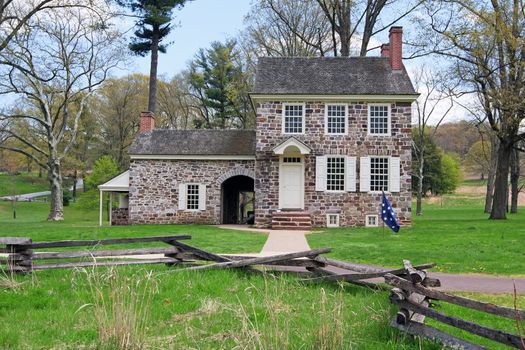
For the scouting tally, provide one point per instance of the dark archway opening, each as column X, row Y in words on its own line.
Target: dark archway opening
column 237, row 200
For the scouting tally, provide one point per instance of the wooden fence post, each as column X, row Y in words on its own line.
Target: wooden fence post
column 20, row 258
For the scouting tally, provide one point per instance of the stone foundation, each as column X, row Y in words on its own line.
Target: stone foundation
column 119, row 216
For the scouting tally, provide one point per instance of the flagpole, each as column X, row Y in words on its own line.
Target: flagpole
column 381, row 215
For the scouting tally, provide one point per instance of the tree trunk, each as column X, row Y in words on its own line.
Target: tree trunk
column 490, row 192
column 152, row 102
column 419, row 204
column 501, row 182
column 75, row 179
column 514, row 180
column 56, row 211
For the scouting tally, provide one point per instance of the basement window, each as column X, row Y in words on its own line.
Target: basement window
column 372, row 221
column 332, row 220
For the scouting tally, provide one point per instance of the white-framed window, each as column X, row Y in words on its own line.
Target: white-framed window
column 335, row 173
column 336, row 119
column 379, row 119
column 332, row 220
column 379, row 174
column 293, row 118
column 192, row 197
column 372, row 221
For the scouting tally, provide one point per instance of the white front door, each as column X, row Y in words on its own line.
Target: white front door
column 291, row 183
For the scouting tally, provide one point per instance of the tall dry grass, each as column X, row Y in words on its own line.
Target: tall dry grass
column 9, row 281
column 121, row 306
column 274, row 330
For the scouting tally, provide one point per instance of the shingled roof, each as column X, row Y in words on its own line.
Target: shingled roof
column 194, row 142
column 330, row 76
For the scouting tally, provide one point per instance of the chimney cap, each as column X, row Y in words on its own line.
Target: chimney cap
column 147, row 114
column 396, row 29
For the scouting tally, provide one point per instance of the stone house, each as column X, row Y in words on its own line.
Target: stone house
column 331, row 134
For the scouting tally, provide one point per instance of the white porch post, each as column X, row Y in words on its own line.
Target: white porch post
column 110, row 206
column 100, row 210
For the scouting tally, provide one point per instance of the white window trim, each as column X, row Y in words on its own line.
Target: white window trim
column 377, row 220
column 337, row 224
column 344, row 173
column 186, row 184
column 388, row 168
column 283, row 116
column 326, row 118
column 389, row 133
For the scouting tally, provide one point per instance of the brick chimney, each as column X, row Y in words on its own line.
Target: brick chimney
column 385, row 50
column 147, row 121
column 396, row 48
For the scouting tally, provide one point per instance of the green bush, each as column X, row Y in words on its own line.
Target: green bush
column 66, row 198
column 105, row 169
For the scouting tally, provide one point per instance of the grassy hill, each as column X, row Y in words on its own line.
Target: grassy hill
column 22, row 183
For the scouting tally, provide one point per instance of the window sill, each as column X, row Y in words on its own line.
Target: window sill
column 381, row 135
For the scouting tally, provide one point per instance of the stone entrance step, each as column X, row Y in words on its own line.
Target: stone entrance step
column 291, row 220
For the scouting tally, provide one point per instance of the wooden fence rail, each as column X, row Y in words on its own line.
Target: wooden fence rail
column 23, row 258
column 412, row 297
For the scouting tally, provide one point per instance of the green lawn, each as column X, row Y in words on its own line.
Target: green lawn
column 23, row 183
column 235, row 309
column 202, row 310
column 457, row 236
column 83, row 224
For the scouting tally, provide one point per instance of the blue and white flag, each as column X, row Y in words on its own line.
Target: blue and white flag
column 388, row 215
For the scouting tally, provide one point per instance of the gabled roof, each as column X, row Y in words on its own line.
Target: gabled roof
column 194, row 143
column 294, row 143
column 119, row 183
column 330, row 76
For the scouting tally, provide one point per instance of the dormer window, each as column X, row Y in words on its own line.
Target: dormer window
column 293, row 118
column 379, row 119
column 335, row 119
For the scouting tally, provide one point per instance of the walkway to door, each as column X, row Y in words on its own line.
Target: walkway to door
column 294, row 241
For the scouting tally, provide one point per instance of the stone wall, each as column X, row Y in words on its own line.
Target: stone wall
column 154, row 187
column 352, row 206
column 119, row 217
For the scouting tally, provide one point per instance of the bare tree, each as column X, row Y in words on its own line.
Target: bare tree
column 342, row 22
column 175, row 103
column 287, row 28
column 484, row 41
column 433, row 106
column 14, row 14
column 116, row 106
column 53, row 65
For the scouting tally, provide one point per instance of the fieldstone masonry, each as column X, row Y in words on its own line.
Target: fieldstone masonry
column 119, row 217
column 154, row 184
column 352, row 206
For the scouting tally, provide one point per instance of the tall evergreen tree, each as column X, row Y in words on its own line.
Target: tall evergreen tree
column 218, row 80
column 153, row 27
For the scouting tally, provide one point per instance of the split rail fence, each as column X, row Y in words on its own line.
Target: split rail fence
column 412, row 292
column 413, row 297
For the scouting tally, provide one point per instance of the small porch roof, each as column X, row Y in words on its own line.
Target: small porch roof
column 119, row 183
column 294, row 143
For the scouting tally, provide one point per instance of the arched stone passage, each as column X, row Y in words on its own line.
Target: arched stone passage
column 237, row 197
column 236, row 172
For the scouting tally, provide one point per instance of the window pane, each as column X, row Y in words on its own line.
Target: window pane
column 293, row 119
column 192, row 197
column 336, row 119
column 379, row 174
column 335, row 173
column 378, row 119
